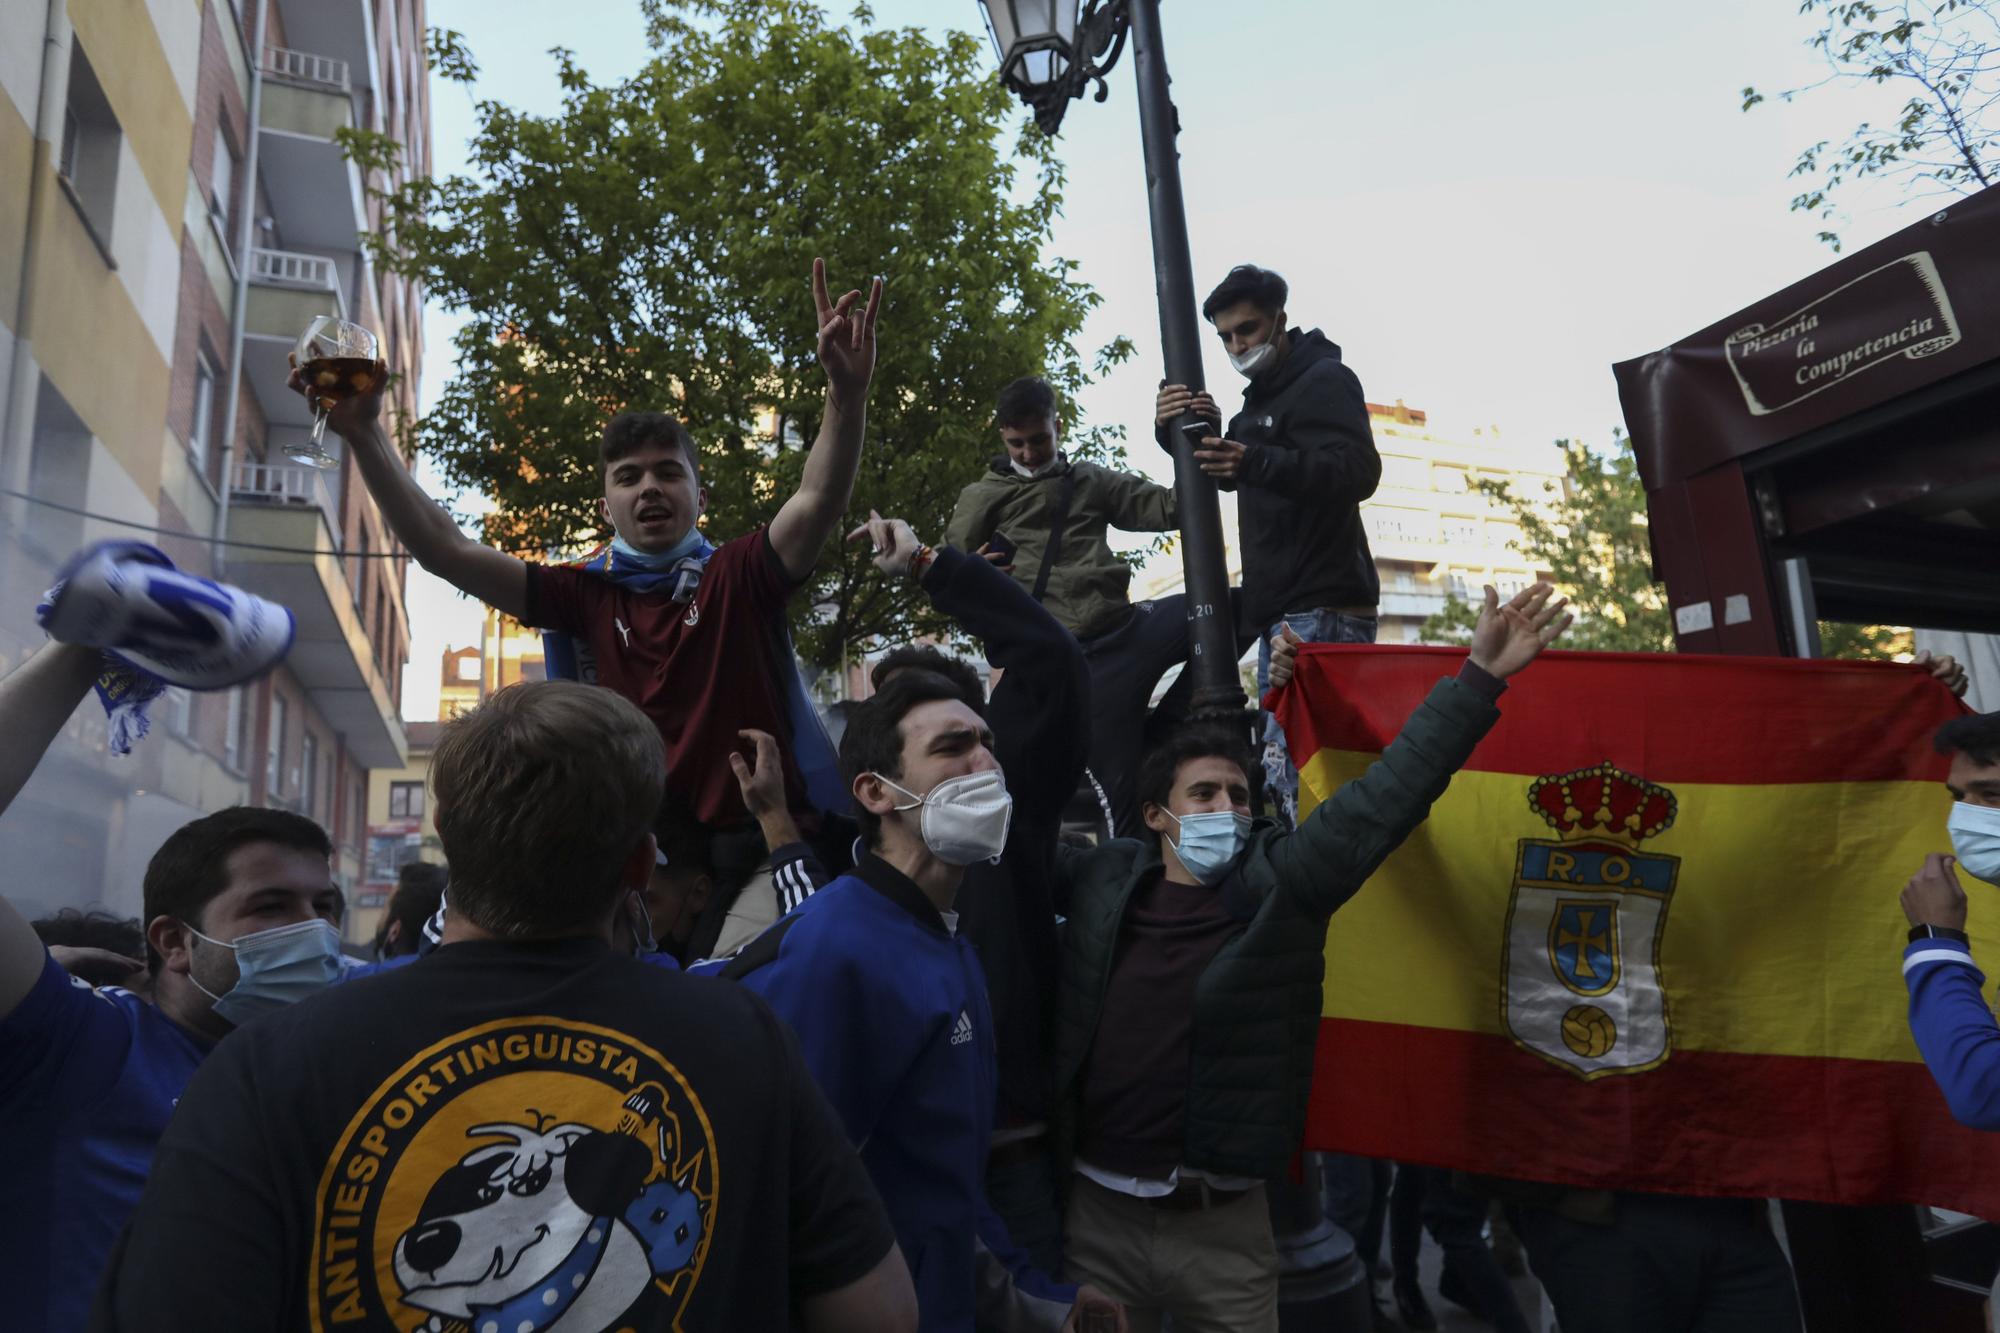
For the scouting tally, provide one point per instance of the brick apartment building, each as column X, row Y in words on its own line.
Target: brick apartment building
column 174, row 209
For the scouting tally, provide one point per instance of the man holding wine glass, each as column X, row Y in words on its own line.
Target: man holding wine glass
column 692, row 633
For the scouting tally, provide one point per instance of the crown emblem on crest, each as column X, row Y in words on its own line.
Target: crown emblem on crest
column 1602, row 804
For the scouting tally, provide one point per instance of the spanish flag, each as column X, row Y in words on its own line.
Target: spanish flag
column 1649, row 938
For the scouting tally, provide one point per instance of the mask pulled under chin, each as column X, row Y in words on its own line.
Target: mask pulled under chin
column 1975, row 840
column 965, row 819
column 1257, row 360
column 658, row 560
column 275, row 968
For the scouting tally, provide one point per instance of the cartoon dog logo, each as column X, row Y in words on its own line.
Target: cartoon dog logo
column 554, row 1229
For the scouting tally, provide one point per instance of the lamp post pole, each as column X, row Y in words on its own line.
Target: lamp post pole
column 1218, row 690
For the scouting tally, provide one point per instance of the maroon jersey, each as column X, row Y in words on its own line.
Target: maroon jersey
column 703, row 670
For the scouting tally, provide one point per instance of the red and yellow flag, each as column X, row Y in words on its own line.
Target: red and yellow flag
column 1649, row 938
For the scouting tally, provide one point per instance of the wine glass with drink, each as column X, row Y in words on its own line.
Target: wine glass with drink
column 337, row 360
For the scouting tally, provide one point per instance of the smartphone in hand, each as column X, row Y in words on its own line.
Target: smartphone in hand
column 1199, row 430
column 1002, row 545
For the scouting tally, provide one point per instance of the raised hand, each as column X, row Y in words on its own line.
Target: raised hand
column 896, row 545
column 1934, row 897
column 1509, row 637
column 762, row 782
column 1284, row 655
column 347, row 415
column 1946, row 669
column 846, row 336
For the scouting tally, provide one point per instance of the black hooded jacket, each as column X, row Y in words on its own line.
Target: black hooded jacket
column 1309, row 464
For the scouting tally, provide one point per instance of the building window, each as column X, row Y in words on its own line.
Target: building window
column 58, row 470
column 309, row 775
column 1460, row 531
column 406, row 800
column 232, row 732
column 1448, row 480
column 274, row 758
column 201, row 434
column 222, row 184
column 88, row 160
column 180, row 711
column 1387, row 523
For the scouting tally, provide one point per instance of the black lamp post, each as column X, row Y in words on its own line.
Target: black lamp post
column 1051, row 51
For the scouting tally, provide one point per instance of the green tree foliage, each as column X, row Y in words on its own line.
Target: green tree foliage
column 650, row 246
column 1590, row 534
column 1943, row 58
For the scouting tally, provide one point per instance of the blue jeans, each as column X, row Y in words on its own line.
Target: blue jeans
column 1281, row 779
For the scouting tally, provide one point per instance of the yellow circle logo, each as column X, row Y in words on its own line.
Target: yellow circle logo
column 523, row 1174
column 1589, row 1031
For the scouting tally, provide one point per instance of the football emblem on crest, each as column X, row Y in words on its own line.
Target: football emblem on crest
column 1581, row 976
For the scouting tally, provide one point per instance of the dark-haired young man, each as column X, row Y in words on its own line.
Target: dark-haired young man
column 1301, row 458
column 1007, row 909
column 905, row 1052
column 238, row 913
column 692, row 634
column 1954, row 1028
column 1190, row 995
column 419, row 890
column 1042, row 518
column 530, row 1129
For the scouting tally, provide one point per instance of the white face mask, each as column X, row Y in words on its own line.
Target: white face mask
column 1254, row 361
column 965, row 819
column 1975, row 839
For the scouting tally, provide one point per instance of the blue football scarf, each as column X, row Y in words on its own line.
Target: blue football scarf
column 158, row 626
column 678, row 572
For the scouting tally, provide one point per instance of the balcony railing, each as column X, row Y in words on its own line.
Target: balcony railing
column 305, row 67
column 288, row 268
column 283, row 483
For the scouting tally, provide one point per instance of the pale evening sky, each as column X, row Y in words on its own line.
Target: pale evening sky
column 1484, row 205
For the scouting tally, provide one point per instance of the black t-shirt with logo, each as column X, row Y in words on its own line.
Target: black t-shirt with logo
column 536, row 1138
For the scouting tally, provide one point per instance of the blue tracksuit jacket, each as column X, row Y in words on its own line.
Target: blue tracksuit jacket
column 1954, row 1029
column 890, row 1009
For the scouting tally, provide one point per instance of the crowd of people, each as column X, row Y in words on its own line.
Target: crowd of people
column 689, row 1034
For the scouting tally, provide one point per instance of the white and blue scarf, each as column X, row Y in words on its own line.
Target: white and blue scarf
column 158, row 626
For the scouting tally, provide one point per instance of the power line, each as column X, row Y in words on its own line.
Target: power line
column 159, row 531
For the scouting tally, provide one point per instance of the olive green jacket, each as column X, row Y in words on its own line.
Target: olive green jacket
column 1257, row 1006
column 1087, row 590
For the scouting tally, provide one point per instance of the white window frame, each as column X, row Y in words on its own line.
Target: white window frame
column 274, row 752
column 202, row 428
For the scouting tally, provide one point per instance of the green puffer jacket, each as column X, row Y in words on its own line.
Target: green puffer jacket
column 1257, row 1006
column 1087, row 590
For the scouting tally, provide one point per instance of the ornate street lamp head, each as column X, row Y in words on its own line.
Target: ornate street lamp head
column 1050, row 52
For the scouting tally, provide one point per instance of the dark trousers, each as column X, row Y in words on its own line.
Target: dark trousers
column 1125, row 666
column 1021, row 1189
column 1354, row 1194
column 1664, row 1264
column 1426, row 1197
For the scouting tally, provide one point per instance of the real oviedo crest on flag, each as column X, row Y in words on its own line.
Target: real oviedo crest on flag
column 1581, row 984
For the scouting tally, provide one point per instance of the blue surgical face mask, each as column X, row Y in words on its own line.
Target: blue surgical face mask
column 1210, row 843
column 275, row 968
column 658, row 560
column 1975, row 839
